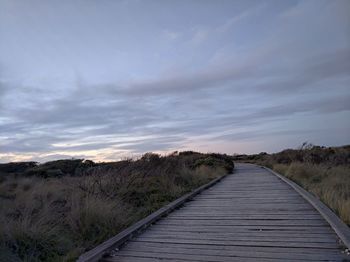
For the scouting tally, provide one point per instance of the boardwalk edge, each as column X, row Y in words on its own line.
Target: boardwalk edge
column 340, row 228
column 99, row 251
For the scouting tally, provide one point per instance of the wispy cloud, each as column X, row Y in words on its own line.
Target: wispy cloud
column 202, row 76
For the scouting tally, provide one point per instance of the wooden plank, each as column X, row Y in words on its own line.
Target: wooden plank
column 255, row 206
column 228, row 235
column 254, row 222
column 246, row 217
column 131, row 256
column 271, row 238
column 243, row 208
column 243, row 243
column 248, row 200
column 238, row 205
column 233, row 229
column 138, row 259
column 134, row 244
column 199, row 257
column 299, row 255
column 249, row 212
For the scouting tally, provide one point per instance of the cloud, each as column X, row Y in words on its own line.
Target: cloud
column 171, row 35
column 232, row 21
column 199, row 36
column 104, row 121
column 301, row 76
column 229, row 74
column 312, row 70
column 258, row 134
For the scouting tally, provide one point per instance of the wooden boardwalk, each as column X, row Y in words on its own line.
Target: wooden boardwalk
column 251, row 215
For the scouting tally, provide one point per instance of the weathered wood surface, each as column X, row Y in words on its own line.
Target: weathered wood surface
column 251, row 215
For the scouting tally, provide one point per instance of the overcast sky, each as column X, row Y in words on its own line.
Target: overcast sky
column 107, row 79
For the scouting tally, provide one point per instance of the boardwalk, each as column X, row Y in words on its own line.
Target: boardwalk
column 249, row 216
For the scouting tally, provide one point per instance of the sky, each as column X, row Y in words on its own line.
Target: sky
column 104, row 79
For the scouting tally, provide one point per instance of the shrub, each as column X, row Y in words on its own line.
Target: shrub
column 16, row 167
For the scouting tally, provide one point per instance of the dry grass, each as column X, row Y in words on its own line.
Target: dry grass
column 57, row 218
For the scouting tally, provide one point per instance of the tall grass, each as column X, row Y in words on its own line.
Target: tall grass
column 45, row 218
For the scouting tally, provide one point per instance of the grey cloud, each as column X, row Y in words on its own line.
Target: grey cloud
column 30, row 142
column 258, row 134
column 67, row 118
column 201, row 80
column 243, row 75
column 157, row 144
column 313, row 70
column 282, row 80
column 336, row 63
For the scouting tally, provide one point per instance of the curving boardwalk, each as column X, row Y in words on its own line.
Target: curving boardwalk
column 251, row 215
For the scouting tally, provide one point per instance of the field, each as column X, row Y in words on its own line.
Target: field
column 57, row 210
column 323, row 171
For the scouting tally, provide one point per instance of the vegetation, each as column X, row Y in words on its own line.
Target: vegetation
column 323, row 171
column 57, row 210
